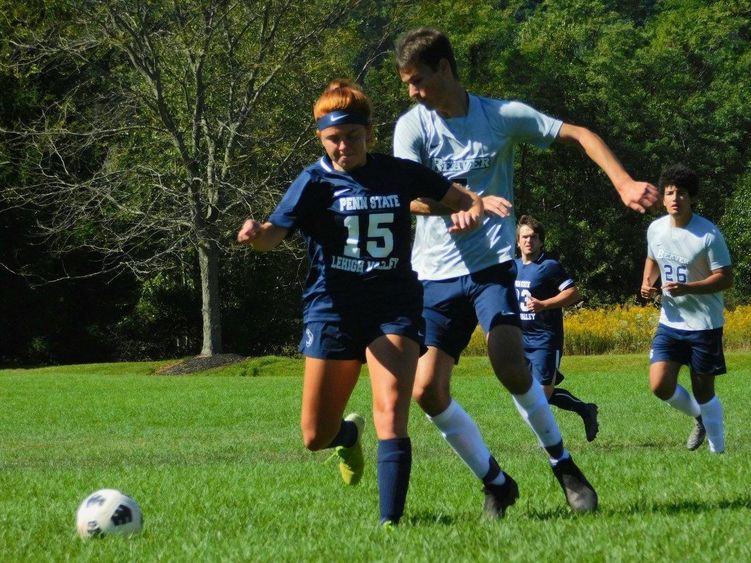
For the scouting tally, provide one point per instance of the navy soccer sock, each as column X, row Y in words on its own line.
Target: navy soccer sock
column 565, row 400
column 346, row 436
column 394, row 467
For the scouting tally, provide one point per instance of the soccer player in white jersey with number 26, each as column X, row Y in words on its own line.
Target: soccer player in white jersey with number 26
column 470, row 277
column 688, row 253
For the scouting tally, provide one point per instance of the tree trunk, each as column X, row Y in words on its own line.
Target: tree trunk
column 208, row 258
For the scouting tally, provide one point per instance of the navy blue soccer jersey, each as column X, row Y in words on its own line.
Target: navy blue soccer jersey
column 357, row 226
column 542, row 279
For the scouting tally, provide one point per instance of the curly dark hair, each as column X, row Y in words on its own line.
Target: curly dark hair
column 680, row 176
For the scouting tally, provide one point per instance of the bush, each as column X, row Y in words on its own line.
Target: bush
column 626, row 329
column 619, row 329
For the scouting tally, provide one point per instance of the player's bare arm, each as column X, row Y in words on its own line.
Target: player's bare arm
column 565, row 298
column 638, row 196
column 464, row 206
column 719, row 280
column 467, row 206
column 261, row 236
column 427, row 206
column 649, row 278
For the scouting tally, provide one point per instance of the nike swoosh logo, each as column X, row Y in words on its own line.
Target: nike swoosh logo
column 337, row 117
column 337, row 193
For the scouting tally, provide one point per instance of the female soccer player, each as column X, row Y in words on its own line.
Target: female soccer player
column 362, row 302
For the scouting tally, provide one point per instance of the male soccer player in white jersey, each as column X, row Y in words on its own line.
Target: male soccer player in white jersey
column 689, row 255
column 470, row 140
column 543, row 289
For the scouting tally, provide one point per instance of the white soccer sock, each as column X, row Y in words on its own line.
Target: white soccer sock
column 462, row 434
column 535, row 410
column 683, row 401
column 712, row 417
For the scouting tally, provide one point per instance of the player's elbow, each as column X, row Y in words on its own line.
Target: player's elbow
column 727, row 279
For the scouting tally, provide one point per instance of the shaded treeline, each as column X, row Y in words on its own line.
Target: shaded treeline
column 135, row 136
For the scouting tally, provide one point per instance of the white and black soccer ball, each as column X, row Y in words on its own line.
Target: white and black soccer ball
column 108, row 512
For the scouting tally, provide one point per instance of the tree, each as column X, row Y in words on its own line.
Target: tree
column 660, row 81
column 173, row 117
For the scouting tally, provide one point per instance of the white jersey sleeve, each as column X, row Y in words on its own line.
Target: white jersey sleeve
column 476, row 150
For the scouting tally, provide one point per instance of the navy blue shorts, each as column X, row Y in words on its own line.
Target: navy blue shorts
column 348, row 339
column 454, row 306
column 543, row 365
column 701, row 350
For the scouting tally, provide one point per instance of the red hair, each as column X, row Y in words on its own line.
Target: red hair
column 345, row 95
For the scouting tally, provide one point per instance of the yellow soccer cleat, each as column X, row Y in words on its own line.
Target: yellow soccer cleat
column 351, row 464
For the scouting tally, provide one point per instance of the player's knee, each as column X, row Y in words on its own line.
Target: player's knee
column 313, row 439
column 662, row 389
column 419, row 392
column 507, row 353
column 432, row 400
column 512, row 371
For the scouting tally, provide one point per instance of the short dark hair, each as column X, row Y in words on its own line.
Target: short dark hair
column 532, row 223
column 424, row 45
column 680, row 176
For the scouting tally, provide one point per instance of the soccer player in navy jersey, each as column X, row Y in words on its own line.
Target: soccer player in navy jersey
column 362, row 302
column 470, row 277
column 688, row 254
column 543, row 289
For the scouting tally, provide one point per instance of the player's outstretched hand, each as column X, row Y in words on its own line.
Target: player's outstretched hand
column 496, row 205
column 639, row 196
column 464, row 221
column 248, row 231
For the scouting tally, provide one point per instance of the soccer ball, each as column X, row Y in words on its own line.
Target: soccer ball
column 108, row 512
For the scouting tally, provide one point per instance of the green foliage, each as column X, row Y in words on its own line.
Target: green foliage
column 217, row 465
column 660, row 82
column 736, row 227
column 163, row 322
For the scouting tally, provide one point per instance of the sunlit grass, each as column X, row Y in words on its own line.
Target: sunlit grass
column 217, row 465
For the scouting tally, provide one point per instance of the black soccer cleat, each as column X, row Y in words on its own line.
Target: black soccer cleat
column 499, row 497
column 591, row 426
column 580, row 495
column 698, row 434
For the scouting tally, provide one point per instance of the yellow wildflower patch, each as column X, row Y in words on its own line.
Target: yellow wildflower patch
column 626, row 329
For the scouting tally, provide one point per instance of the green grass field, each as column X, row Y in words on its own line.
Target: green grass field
column 216, row 463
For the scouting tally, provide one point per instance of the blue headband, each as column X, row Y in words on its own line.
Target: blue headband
column 341, row 117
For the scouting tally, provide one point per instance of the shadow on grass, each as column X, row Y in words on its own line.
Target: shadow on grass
column 661, row 445
column 650, row 507
column 685, row 506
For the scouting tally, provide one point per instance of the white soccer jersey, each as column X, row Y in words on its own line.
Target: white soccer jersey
column 687, row 254
column 476, row 150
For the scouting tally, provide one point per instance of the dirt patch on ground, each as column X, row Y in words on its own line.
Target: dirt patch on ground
column 199, row 363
